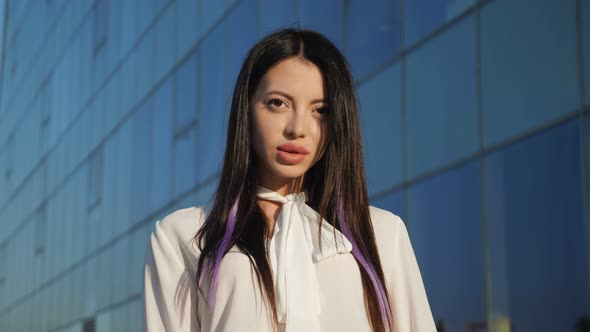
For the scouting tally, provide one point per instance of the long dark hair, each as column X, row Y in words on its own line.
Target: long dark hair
column 335, row 184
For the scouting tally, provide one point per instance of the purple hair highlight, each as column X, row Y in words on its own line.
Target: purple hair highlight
column 381, row 294
column 220, row 251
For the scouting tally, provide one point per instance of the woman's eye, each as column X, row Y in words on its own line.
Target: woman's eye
column 322, row 110
column 275, row 102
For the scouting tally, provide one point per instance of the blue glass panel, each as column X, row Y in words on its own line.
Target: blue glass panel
column 325, row 17
column 425, row 16
column 128, row 34
column 585, row 14
column 529, row 71
column 381, row 120
column 122, row 214
column 144, row 12
column 373, row 34
column 275, row 14
column 159, row 4
column 241, row 36
column 185, row 94
column 211, row 12
column 445, row 227
column 115, row 23
column 142, row 121
column 212, row 106
column 162, row 145
column 393, row 201
column 536, row 231
column 442, row 119
column 164, row 34
column 185, row 161
column 187, row 32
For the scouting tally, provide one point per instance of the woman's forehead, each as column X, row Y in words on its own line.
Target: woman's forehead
column 294, row 77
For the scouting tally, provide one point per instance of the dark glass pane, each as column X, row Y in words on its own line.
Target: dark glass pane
column 186, row 94
column 393, row 202
column 212, row 106
column 425, row 16
column 162, row 145
column 529, row 71
column 240, row 28
column 381, row 121
column 585, row 14
column 276, row 14
column 185, row 162
column 141, row 122
column 442, row 118
column 446, row 230
column 536, row 233
column 373, row 34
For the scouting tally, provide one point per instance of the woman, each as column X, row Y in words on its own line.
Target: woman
column 289, row 242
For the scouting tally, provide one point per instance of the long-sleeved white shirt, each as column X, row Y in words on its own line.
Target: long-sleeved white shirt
column 173, row 303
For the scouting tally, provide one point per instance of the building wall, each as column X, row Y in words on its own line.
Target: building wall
column 475, row 132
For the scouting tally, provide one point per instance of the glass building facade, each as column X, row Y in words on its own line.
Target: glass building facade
column 475, row 127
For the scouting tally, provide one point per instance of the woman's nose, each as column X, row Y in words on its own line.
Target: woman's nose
column 296, row 124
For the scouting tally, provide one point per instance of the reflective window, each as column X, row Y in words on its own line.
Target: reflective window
column 142, row 122
column 380, row 115
column 122, row 215
column 187, row 32
column 40, row 230
column 393, row 202
column 276, row 14
column 139, row 241
column 110, row 202
column 373, row 34
column 185, row 161
column 120, row 269
column 115, row 22
column 424, row 16
column 95, row 179
column 164, row 48
column 162, row 145
column 241, row 35
column 211, row 12
column 447, row 239
column 442, row 118
column 100, row 20
column 213, row 108
column 529, row 72
column 324, row 16
column 127, row 25
column 144, row 12
column 185, row 94
column 144, row 67
column 3, row 265
column 585, row 14
column 536, row 232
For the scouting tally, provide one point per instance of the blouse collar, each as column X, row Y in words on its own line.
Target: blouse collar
column 294, row 249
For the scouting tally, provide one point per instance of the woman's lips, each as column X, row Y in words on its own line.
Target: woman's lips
column 292, row 153
column 293, row 148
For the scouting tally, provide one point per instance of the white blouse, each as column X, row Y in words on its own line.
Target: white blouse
column 316, row 290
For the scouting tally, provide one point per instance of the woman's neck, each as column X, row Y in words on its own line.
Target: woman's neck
column 283, row 187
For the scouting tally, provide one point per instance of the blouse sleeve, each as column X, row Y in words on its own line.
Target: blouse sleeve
column 169, row 293
column 411, row 311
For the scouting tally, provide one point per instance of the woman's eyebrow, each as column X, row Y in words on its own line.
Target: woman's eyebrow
column 288, row 96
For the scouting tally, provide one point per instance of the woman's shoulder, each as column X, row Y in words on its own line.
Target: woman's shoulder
column 181, row 222
column 178, row 228
column 390, row 230
column 385, row 222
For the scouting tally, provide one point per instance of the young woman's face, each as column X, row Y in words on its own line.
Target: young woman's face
column 289, row 121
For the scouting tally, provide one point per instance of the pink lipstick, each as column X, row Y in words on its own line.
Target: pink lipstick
column 291, row 153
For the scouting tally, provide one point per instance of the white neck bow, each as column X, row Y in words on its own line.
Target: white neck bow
column 293, row 251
